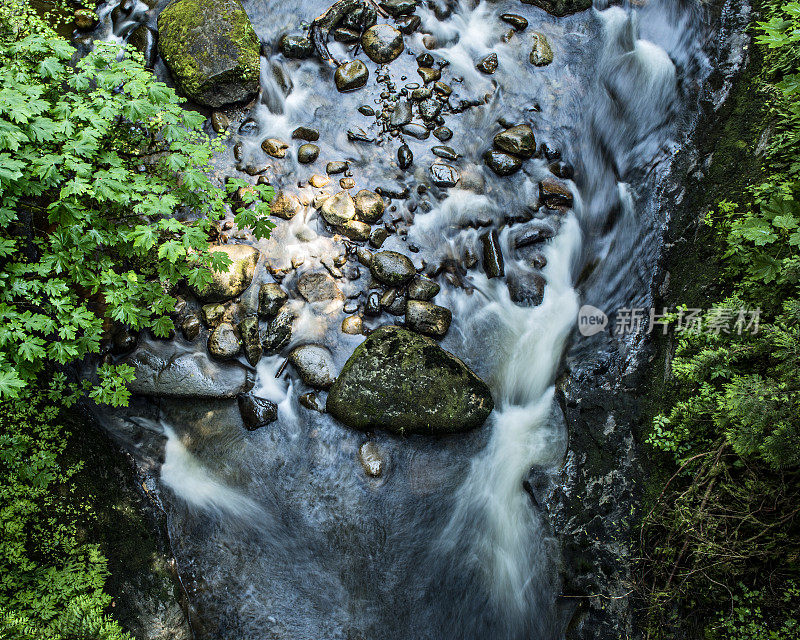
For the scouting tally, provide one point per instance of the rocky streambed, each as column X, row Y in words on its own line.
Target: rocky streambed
column 356, row 430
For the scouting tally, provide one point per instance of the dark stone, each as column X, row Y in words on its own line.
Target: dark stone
column 553, row 193
column 307, row 153
column 563, row 170
column 358, row 134
column 251, row 339
column 427, row 318
column 270, row 299
column 443, row 175
column 526, row 289
column 256, row 412
column 425, row 60
column 488, row 65
column 392, row 268
column 430, row 108
column 378, row 236
column 298, row 47
column 416, row 131
column 561, row 8
column 404, row 157
column 446, row 153
column 369, row 206
column 333, row 168
column 366, row 110
column 401, row 114
column 443, row 133
column 220, row 123
column 346, row 35
column 493, row 264
column 351, row 76
column 397, row 8
column 501, row 163
column 278, row 333
column 533, row 234
column 305, row 133
column 518, row 22
column 191, row 327
column 404, row 382
column 517, row 140
column 409, row 24
column 223, row 342
column 373, row 306
column 429, row 75
column 421, row 288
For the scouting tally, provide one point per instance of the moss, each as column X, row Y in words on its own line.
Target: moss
column 197, row 38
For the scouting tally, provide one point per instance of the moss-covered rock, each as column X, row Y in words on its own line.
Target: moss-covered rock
column 406, row 383
column 211, row 49
column 233, row 281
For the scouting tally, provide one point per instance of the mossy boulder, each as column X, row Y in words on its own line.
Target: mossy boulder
column 404, row 382
column 211, row 49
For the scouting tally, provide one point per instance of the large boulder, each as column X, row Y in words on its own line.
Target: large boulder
column 211, row 49
column 233, row 281
column 167, row 374
column 404, row 382
column 561, row 7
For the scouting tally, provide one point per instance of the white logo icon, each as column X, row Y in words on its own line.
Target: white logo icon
column 591, row 320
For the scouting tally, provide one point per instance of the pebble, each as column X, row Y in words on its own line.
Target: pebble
column 351, row 76
column 274, row 147
column 443, row 134
column 352, row 325
column 443, row 175
column 332, row 168
column 487, row 65
column 541, row 52
column 404, row 157
column 219, row 122
column 307, row 153
column 444, row 152
column 369, row 455
column 518, row 22
column 429, row 75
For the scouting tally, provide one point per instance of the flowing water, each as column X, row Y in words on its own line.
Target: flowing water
column 279, row 533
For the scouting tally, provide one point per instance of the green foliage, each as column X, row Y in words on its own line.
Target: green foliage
column 106, row 202
column 51, row 585
column 729, row 514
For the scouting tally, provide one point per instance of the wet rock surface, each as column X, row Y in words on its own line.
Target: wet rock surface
column 392, row 268
column 211, row 49
column 380, row 387
column 314, row 364
column 256, row 412
column 236, row 278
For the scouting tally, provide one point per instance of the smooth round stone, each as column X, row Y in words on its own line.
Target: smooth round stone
column 404, row 157
column 305, row 133
column 256, row 412
column 421, row 94
column 357, row 231
column 518, row 140
column 274, row 147
column 339, row 209
column 314, row 364
column 518, row 22
column 369, row 206
column 352, row 325
column 382, row 43
column 318, row 181
column 332, row 168
column 430, row 108
column 488, row 65
column 347, row 183
column 366, row 110
column 421, row 288
column 444, row 152
column 378, row 237
column 503, row 164
column 351, row 76
column 541, row 52
column 220, row 122
column 392, row 268
column 307, row 153
column 427, row 318
column 416, row 131
column 443, row 175
column 401, row 114
column 442, row 88
column 443, row 133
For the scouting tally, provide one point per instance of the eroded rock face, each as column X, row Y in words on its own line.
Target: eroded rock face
column 190, row 375
column 406, row 383
column 211, row 49
column 231, row 283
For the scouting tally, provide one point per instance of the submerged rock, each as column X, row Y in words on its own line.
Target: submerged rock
column 256, row 412
column 351, row 76
column 553, row 193
column 191, row 327
column 369, row 455
column 307, row 153
column 541, row 52
column 489, row 64
column 167, row 374
column 296, row 47
column 392, row 268
column 211, row 50
column 493, row 264
column 382, row 43
column 238, row 276
column 318, row 287
column 404, row 382
column 561, row 8
column 314, row 364
column 526, row 289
